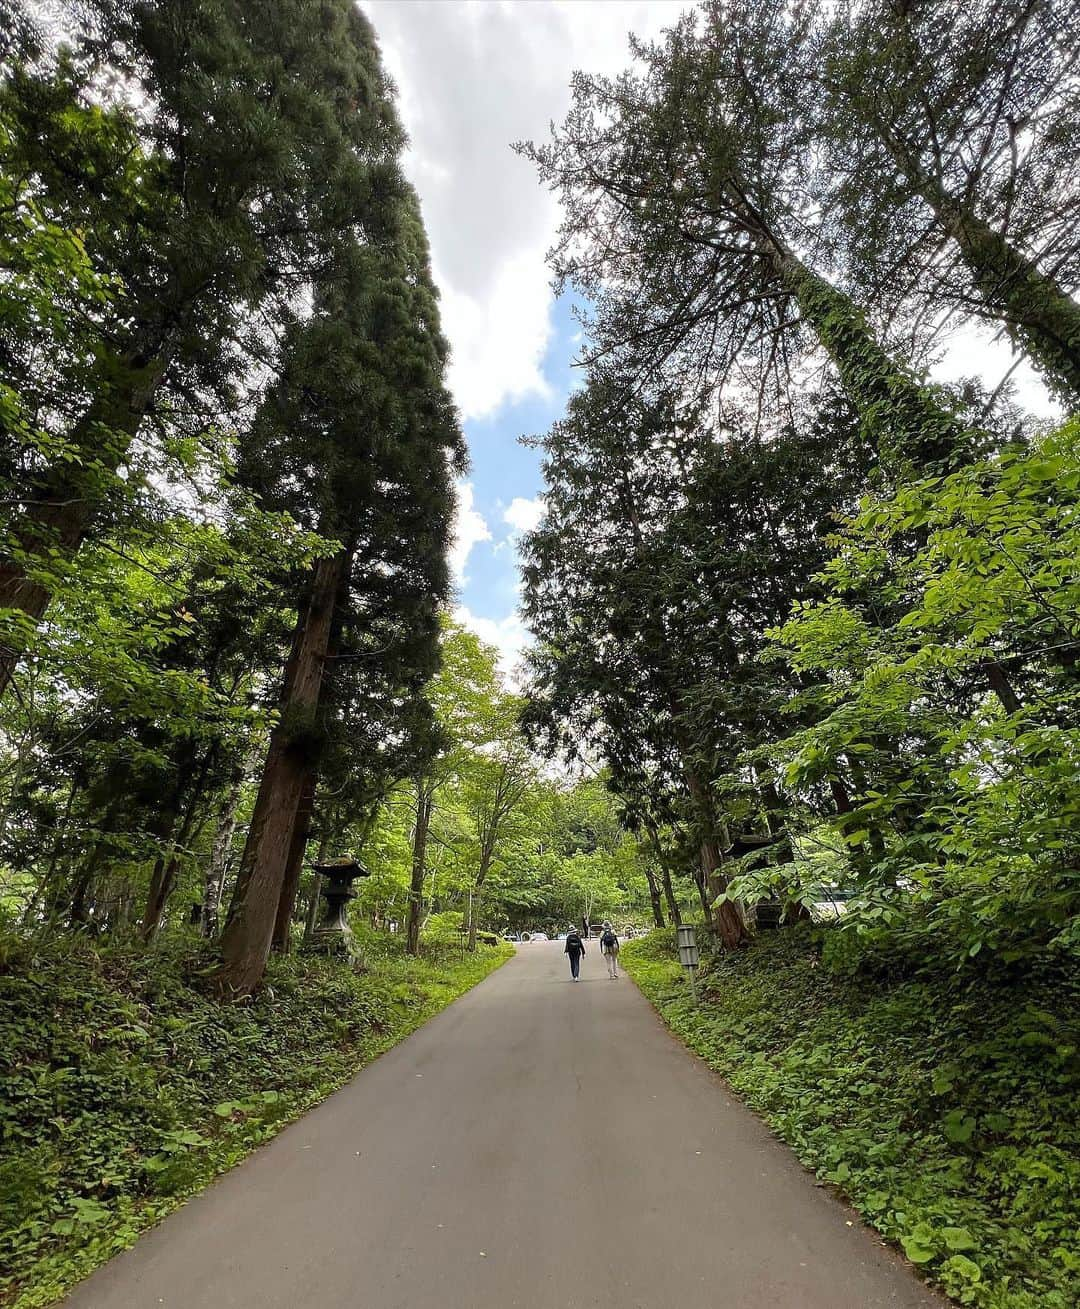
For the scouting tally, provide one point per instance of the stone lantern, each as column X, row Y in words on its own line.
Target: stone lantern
column 332, row 935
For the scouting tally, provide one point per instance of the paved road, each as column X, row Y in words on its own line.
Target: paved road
column 539, row 1144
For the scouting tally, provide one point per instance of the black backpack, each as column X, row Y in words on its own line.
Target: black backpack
column 609, row 939
column 574, row 942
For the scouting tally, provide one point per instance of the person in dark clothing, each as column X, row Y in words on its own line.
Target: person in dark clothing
column 575, row 948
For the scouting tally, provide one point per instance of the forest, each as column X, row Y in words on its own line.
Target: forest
column 805, row 619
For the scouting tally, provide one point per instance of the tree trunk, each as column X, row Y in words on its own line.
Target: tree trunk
column 424, row 804
column 654, row 898
column 726, row 919
column 166, row 869
column 162, row 829
column 291, row 883
column 162, row 881
column 311, row 920
column 82, row 897
column 674, row 911
column 219, row 859
column 64, row 506
column 1034, row 307
column 701, row 883
column 245, row 942
column 481, row 877
column 907, row 426
column 306, row 808
column 1002, row 687
column 50, row 879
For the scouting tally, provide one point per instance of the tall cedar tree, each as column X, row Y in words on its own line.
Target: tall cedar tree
column 668, row 549
column 358, row 438
column 259, row 130
column 686, row 189
column 949, row 165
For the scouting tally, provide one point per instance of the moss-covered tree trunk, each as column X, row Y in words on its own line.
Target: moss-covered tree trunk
column 908, row 428
column 1038, row 312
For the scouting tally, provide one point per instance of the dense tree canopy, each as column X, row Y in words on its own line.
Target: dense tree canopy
column 822, row 621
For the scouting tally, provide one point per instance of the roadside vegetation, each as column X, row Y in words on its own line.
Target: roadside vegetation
column 942, row 1103
column 128, row 1087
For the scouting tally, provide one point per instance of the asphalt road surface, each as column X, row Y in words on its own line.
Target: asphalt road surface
column 539, row 1143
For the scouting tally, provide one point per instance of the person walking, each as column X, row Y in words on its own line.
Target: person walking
column 609, row 946
column 575, row 948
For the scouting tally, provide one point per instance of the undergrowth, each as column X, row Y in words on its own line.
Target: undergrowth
column 126, row 1089
column 944, row 1105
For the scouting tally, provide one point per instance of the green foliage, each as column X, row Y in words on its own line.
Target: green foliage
column 518, row 849
column 963, row 708
column 127, row 1088
column 944, row 1106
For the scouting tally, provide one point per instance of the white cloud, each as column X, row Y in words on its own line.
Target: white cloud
column 473, row 78
column 500, row 341
column 975, row 350
column 470, row 528
column 524, row 515
column 508, row 635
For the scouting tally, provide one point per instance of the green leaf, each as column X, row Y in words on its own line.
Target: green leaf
column 958, row 1238
column 959, row 1127
column 917, row 1250
column 963, row 1267
column 942, row 1082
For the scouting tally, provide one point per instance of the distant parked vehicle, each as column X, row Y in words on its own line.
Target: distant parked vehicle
column 831, row 905
column 533, row 936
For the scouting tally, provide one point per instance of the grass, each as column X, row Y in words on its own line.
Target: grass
column 944, row 1106
column 126, row 1090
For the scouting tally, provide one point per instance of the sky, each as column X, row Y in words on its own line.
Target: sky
column 474, row 76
